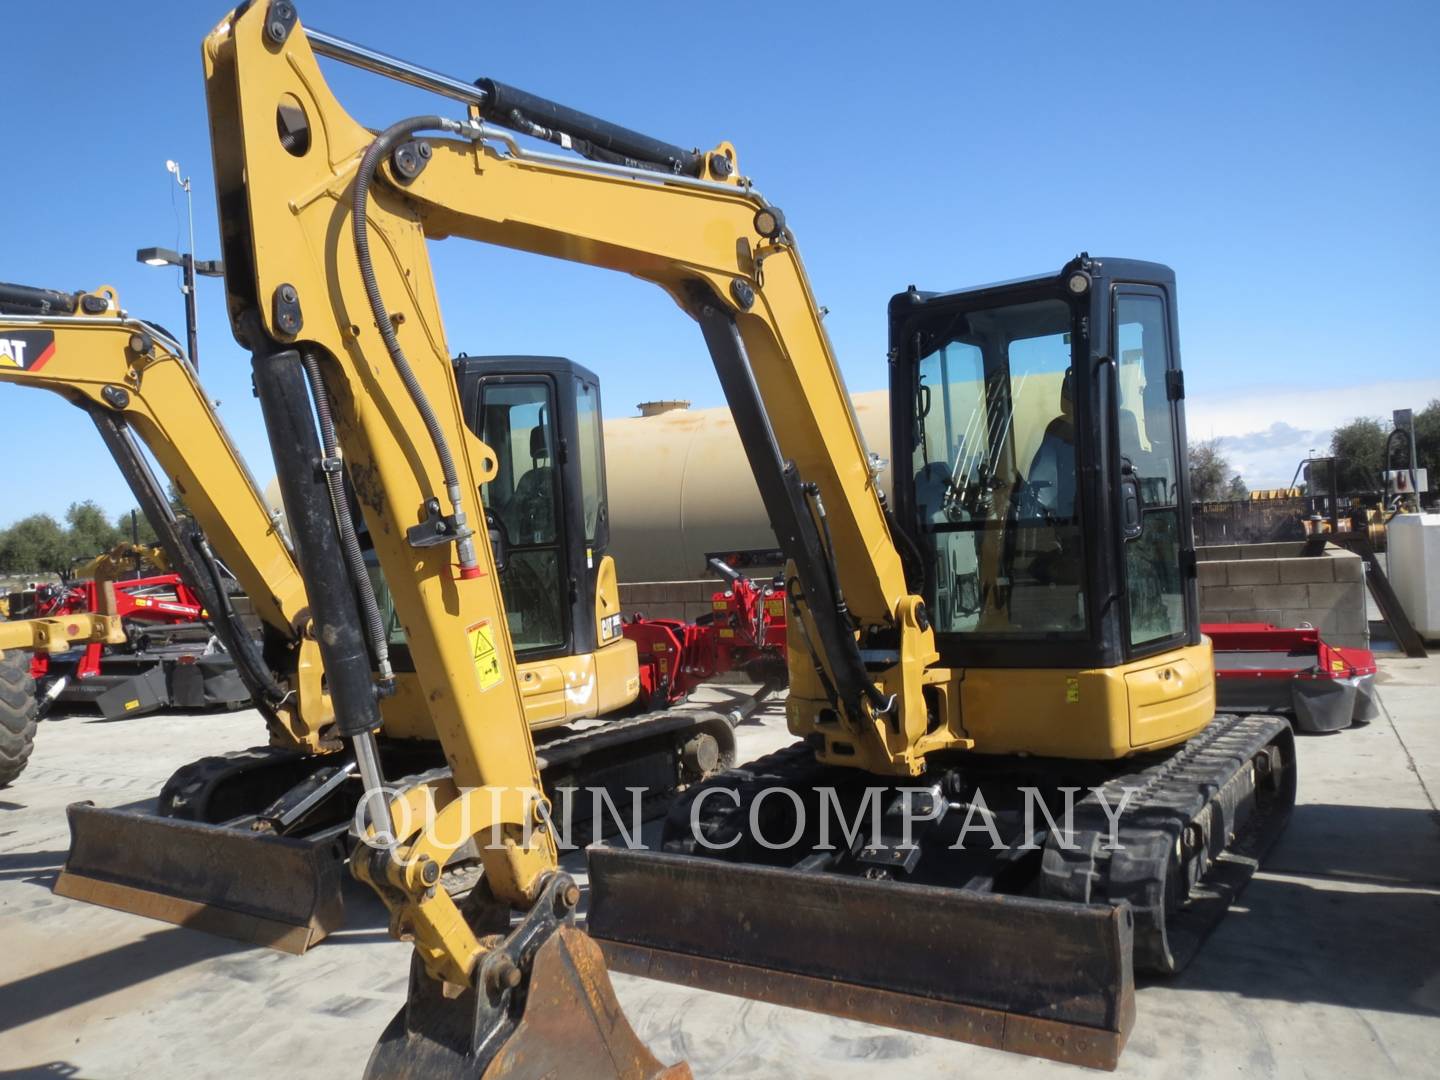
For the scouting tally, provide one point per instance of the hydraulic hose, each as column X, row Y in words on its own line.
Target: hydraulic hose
column 237, row 640
column 344, row 523
column 364, row 176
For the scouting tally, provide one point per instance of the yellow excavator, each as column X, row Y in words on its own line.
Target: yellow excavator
column 126, row 557
column 1011, row 650
column 249, row 843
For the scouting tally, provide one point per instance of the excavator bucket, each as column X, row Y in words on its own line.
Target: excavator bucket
column 1034, row 976
column 559, row 1018
column 271, row 890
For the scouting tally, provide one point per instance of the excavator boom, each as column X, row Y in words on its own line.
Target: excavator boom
column 353, row 303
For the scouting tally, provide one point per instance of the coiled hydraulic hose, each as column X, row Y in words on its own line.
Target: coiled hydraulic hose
column 369, row 162
column 344, row 523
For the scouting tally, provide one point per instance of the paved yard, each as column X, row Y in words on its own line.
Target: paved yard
column 1330, row 966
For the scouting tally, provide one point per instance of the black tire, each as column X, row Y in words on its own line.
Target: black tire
column 18, row 707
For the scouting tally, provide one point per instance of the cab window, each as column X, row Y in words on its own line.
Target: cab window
column 517, row 421
column 1148, row 451
column 996, row 472
column 592, row 461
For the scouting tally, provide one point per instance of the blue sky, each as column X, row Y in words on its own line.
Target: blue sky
column 1281, row 157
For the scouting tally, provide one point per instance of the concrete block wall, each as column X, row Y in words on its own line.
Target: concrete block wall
column 1279, row 584
column 1272, row 583
column 669, row 599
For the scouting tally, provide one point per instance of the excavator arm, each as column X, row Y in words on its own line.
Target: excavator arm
column 344, row 329
column 863, row 645
column 324, row 228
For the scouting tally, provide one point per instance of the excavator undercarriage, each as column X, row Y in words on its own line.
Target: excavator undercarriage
column 252, row 844
column 952, row 907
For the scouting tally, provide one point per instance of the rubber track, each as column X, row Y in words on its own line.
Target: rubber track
column 722, row 820
column 18, row 709
column 1205, row 789
column 1205, row 783
column 618, row 732
column 186, row 795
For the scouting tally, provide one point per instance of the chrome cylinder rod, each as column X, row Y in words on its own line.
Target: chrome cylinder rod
column 360, row 56
column 374, row 808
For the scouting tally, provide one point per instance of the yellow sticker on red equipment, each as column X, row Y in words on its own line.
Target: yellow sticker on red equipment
column 483, row 654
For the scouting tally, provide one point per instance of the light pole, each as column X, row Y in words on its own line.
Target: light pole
column 188, row 263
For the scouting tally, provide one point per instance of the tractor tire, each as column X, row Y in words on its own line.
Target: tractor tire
column 18, row 708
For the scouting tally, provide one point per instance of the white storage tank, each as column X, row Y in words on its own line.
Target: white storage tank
column 680, row 486
column 1413, row 546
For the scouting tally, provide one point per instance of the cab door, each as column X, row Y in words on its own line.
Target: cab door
column 517, row 418
column 1161, row 609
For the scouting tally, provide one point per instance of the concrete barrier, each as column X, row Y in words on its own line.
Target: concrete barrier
column 1280, row 584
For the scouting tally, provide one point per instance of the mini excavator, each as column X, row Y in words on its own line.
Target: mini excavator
column 1020, row 626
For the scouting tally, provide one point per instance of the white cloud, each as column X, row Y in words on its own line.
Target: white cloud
column 1265, row 431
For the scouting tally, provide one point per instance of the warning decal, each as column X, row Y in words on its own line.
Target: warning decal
column 483, row 654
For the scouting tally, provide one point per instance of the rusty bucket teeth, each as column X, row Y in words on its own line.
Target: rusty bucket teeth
column 275, row 891
column 1009, row 972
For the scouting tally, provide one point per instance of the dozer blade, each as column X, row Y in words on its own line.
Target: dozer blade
column 1012, row 973
column 272, row 890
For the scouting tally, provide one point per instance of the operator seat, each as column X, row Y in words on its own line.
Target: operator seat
column 530, row 514
column 1052, row 470
column 1052, row 479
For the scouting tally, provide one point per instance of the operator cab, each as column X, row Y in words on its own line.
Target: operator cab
column 1046, row 487
column 546, row 504
column 545, row 508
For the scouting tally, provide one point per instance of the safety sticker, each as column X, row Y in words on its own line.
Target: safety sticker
column 133, row 703
column 1072, row 691
column 483, row 654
